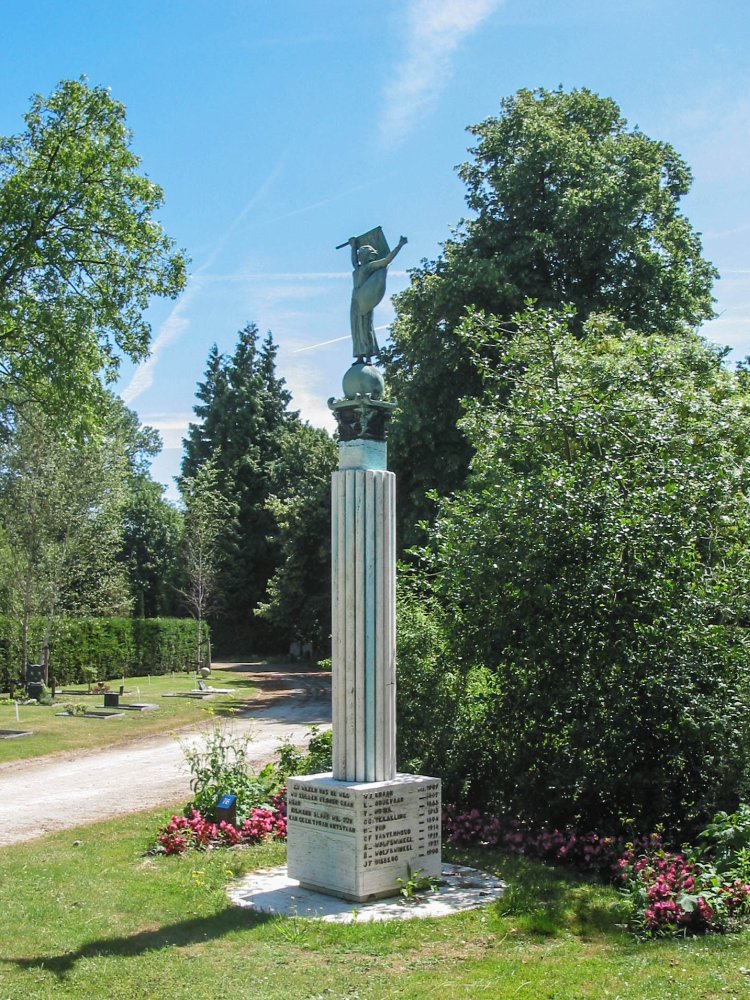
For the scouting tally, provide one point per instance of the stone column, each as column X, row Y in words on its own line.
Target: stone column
column 356, row 831
column 364, row 614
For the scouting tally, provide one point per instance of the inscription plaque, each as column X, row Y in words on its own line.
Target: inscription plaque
column 356, row 839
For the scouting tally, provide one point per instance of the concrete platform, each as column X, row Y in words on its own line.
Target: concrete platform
column 273, row 892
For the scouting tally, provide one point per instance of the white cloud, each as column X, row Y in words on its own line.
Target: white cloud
column 172, row 427
column 434, row 29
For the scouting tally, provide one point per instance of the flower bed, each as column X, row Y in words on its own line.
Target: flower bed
column 590, row 851
column 195, row 832
column 664, row 893
column 668, row 893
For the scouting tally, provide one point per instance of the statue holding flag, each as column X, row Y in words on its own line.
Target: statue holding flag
column 371, row 256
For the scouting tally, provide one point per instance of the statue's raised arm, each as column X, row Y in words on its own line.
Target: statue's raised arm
column 371, row 257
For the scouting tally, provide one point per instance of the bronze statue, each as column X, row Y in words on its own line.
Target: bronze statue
column 370, row 259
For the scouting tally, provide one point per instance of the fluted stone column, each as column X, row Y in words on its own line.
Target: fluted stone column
column 356, row 831
column 364, row 614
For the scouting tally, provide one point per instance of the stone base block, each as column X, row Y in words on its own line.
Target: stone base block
column 354, row 839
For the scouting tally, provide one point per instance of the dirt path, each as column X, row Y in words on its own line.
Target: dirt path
column 67, row 790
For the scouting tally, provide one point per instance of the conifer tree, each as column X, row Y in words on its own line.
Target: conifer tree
column 243, row 420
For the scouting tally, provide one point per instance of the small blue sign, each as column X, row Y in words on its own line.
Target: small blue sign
column 226, row 802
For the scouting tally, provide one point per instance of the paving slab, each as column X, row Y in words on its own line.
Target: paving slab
column 273, row 892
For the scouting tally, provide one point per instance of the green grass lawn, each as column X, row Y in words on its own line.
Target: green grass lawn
column 103, row 919
column 52, row 732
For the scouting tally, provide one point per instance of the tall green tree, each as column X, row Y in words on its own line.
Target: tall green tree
column 595, row 576
column 152, row 529
column 81, row 251
column 299, row 592
column 207, row 516
column 243, row 424
column 569, row 206
column 151, row 525
column 61, row 504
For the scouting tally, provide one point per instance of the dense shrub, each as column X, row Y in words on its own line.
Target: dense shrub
column 593, row 586
column 104, row 648
column 291, row 760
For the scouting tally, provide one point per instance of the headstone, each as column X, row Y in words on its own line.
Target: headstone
column 111, row 699
column 354, row 832
column 34, row 673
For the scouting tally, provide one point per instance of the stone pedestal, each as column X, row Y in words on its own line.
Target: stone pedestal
column 354, row 839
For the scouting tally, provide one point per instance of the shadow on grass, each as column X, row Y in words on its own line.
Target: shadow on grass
column 186, row 932
column 546, row 900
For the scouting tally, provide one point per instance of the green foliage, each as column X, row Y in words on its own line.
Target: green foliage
column 45, row 696
column 428, row 687
column 299, row 592
column 81, row 251
column 595, row 578
column 91, row 649
column 726, row 840
column 270, row 466
column 415, row 883
column 61, row 500
column 208, row 516
column 221, row 766
column 569, row 206
column 291, row 760
column 74, row 708
column 151, row 526
column 150, row 547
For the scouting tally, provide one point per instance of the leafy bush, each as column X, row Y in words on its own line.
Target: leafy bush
column 593, row 585
column 317, row 759
column 75, row 708
column 429, row 688
column 726, row 841
column 220, row 766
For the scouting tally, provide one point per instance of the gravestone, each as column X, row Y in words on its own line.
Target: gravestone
column 355, row 831
column 34, row 680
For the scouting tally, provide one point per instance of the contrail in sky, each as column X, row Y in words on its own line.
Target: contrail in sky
column 336, row 340
column 176, row 323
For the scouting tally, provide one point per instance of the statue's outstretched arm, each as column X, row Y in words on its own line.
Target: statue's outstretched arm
column 376, row 265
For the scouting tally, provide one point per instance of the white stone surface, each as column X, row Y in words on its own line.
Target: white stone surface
column 364, row 624
column 355, row 839
column 275, row 893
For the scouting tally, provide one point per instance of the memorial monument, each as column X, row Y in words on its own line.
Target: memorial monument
column 353, row 832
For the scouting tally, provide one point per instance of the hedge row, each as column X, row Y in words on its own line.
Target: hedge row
column 83, row 649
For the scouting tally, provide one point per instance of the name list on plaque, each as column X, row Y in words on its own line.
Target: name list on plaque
column 363, row 836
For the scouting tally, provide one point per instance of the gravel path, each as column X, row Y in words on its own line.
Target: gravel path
column 67, row 790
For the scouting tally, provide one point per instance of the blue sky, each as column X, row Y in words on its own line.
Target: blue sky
column 279, row 130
